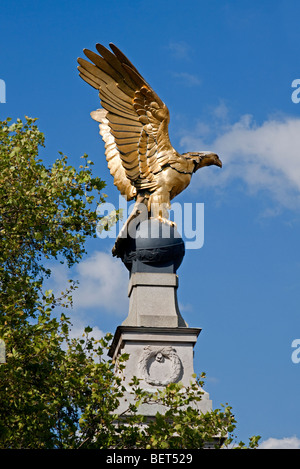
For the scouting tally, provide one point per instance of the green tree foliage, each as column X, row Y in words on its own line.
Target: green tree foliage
column 45, row 213
column 55, row 391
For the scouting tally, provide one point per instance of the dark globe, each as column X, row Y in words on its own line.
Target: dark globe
column 154, row 246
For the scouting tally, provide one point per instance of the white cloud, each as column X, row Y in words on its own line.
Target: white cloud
column 78, row 327
column 284, row 443
column 188, row 78
column 185, row 307
column 265, row 157
column 180, row 49
column 103, row 283
column 221, row 111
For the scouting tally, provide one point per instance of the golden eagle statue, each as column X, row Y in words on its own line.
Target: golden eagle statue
column 134, row 127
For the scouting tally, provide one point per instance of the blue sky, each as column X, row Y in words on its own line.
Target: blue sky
column 225, row 70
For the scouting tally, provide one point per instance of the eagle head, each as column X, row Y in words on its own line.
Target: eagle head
column 204, row 158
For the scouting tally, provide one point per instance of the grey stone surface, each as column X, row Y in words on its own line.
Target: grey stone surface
column 157, row 356
column 153, row 300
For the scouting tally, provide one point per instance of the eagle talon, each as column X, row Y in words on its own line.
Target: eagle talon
column 166, row 221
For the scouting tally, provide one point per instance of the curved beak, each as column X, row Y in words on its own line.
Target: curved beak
column 214, row 159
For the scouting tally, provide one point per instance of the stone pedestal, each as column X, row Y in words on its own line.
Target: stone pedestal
column 158, row 340
column 158, row 356
column 153, row 300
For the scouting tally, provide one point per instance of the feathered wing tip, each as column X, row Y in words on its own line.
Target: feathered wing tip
column 113, row 156
column 116, row 91
column 110, row 66
column 123, row 59
column 134, row 122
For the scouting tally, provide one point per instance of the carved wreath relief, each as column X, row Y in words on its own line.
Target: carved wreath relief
column 160, row 365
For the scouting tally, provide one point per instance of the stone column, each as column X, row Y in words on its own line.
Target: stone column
column 158, row 340
column 153, row 300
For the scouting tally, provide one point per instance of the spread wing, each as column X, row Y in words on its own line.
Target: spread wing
column 133, row 122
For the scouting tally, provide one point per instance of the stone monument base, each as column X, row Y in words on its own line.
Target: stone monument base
column 158, row 341
column 157, row 356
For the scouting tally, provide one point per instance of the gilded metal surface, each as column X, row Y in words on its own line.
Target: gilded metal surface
column 134, row 127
